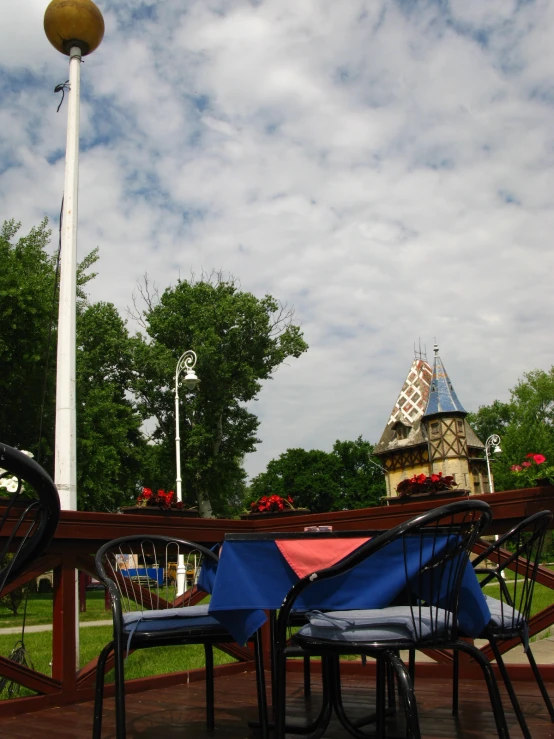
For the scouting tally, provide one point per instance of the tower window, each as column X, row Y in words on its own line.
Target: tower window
column 401, row 430
column 435, row 429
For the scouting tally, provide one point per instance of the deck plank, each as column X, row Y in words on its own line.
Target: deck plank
column 165, row 713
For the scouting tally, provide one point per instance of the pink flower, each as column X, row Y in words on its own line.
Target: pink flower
column 516, row 468
column 526, row 464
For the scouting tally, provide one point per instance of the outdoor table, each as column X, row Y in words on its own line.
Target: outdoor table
column 256, row 571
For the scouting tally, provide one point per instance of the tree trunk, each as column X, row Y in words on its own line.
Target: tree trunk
column 204, row 504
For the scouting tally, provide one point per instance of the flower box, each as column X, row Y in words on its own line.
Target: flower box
column 415, row 497
column 275, row 514
column 145, row 510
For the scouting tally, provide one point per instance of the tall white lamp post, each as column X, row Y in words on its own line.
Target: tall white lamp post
column 75, row 28
column 187, row 361
column 492, row 442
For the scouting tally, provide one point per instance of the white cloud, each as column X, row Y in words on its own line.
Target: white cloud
column 385, row 168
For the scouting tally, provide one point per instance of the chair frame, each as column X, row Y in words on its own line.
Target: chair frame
column 35, row 523
column 475, row 516
column 142, row 640
column 528, row 536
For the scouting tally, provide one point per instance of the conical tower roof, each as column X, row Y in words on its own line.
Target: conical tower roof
column 442, row 398
column 409, row 408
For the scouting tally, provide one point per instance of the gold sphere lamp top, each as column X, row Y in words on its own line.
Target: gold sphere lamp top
column 69, row 23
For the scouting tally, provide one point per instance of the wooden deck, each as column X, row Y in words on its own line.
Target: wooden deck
column 179, row 711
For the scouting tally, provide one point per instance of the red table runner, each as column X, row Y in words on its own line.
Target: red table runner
column 309, row 555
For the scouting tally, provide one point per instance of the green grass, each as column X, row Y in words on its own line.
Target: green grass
column 542, row 596
column 39, row 610
column 142, row 663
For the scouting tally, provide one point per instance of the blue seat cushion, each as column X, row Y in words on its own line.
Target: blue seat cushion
column 503, row 615
column 169, row 619
column 397, row 623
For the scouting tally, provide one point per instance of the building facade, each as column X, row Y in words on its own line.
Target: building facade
column 427, row 432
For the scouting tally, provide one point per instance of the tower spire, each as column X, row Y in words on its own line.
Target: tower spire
column 442, row 397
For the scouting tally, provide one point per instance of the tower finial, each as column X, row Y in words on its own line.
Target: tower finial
column 419, row 354
column 436, row 348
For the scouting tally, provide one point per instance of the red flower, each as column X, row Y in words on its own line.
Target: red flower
column 271, row 503
column 161, row 499
column 526, row 464
column 423, row 484
column 516, row 468
column 539, row 459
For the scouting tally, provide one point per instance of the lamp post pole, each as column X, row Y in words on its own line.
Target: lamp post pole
column 492, row 441
column 187, row 361
column 65, row 465
column 75, row 28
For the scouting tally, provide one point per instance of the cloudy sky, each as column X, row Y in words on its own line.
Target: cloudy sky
column 384, row 167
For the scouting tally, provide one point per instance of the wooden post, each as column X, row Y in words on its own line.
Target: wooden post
column 84, row 580
column 64, row 642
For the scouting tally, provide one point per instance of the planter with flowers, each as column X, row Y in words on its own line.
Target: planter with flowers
column 159, row 503
column 533, row 471
column 426, row 486
column 272, row 506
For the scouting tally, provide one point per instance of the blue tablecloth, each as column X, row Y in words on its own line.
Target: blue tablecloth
column 253, row 576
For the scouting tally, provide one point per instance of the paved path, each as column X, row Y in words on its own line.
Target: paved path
column 48, row 627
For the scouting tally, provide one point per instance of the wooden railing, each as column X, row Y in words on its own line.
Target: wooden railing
column 80, row 534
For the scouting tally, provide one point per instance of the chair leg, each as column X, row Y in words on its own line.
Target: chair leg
column 332, row 693
column 540, row 683
column 455, row 678
column 380, row 697
column 119, row 670
column 99, row 691
column 408, row 696
column 279, row 692
column 210, row 697
column 260, row 685
column 494, row 693
column 307, row 677
column 510, row 688
column 391, row 688
column 411, row 664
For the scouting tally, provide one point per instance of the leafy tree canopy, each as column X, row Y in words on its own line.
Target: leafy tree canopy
column 109, row 442
column 27, row 280
column 110, row 445
column 240, row 340
column 525, row 425
column 345, row 478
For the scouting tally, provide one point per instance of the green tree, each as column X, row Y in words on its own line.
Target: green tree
column 110, row 445
column 240, row 340
column 362, row 478
column 311, row 478
column 27, row 280
column 525, row 425
column 345, row 478
column 109, row 442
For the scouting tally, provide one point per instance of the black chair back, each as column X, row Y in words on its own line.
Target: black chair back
column 433, row 551
column 152, row 573
column 29, row 512
column 511, row 564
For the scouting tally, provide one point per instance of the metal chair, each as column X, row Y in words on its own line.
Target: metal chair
column 513, row 562
column 433, row 550
column 30, row 516
column 141, row 574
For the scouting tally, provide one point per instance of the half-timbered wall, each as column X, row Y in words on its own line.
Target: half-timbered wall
column 405, row 463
